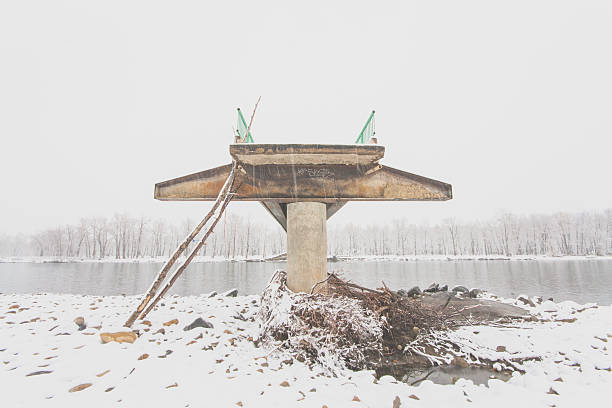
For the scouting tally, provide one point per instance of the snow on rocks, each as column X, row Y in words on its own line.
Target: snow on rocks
column 43, row 356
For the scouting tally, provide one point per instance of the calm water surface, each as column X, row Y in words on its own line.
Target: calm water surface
column 588, row 280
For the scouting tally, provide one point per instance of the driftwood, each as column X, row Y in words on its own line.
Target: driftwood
column 181, row 248
column 193, row 253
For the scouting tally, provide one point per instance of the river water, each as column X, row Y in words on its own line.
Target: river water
column 580, row 280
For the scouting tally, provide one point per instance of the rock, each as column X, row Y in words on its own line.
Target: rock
column 103, row 373
column 396, row 402
column 460, row 289
column 443, row 288
column 239, row 316
column 525, row 300
column 119, row 337
column 402, row 293
column 474, row 293
column 432, row 288
column 143, row 357
column 80, row 321
column 284, row 384
column 168, row 352
column 39, row 373
column 171, row 322
column 501, row 349
column 356, row 398
column 172, row 385
column 79, row 387
column 212, row 294
column 414, row 397
column 460, row 362
column 162, row 331
column 146, row 323
column 199, row 322
column 231, row 293
column 414, row 292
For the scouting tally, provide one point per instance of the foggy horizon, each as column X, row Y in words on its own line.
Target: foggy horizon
column 509, row 103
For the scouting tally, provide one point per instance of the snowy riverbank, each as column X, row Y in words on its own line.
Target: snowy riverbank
column 282, row 258
column 44, row 355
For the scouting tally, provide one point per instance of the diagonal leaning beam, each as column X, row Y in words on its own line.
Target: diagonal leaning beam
column 225, row 190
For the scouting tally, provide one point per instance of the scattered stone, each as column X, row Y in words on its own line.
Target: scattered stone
column 103, row 373
column 119, row 337
column 172, row 385
column 199, row 322
column 80, row 321
column 171, row 322
column 552, row 391
column 558, row 379
column 414, row 397
column 79, row 387
column 39, row 373
column 460, row 362
column 460, row 289
column 525, row 300
column 501, row 349
column 474, row 293
column 143, row 357
column 239, row 316
column 432, row 288
column 168, row 352
column 284, row 384
column 162, row 331
column 146, row 323
column 109, row 389
column 231, row 293
column 414, row 292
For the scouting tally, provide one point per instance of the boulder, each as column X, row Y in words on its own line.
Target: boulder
column 460, row 289
column 475, row 292
column 414, row 291
column 231, row 293
column 432, row 288
column 199, row 322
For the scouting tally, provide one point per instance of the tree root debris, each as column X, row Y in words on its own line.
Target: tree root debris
column 347, row 326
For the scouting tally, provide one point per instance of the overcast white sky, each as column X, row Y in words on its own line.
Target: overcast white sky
column 510, row 102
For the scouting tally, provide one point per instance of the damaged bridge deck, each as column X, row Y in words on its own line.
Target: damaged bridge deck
column 333, row 174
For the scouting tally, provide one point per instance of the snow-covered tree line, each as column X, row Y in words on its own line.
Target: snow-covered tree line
column 587, row 233
column 123, row 237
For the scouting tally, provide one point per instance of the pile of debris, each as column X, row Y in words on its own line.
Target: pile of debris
column 345, row 325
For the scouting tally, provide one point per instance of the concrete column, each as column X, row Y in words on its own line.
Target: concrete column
column 306, row 245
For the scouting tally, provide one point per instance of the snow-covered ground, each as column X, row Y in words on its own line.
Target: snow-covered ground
column 43, row 355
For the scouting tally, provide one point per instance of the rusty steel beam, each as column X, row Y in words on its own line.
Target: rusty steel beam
column 292, row 183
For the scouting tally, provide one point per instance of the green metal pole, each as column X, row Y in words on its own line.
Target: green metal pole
column 247, row 138
column 364, row 128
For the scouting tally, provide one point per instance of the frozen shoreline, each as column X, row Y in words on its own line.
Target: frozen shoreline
column 223, row 367
column 368, row 258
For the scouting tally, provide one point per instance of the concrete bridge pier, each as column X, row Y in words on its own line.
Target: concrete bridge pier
column 306, row 245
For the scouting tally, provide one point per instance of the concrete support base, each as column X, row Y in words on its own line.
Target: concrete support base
column 306, row 245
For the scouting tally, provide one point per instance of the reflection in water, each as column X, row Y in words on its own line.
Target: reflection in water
column 583, row 281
